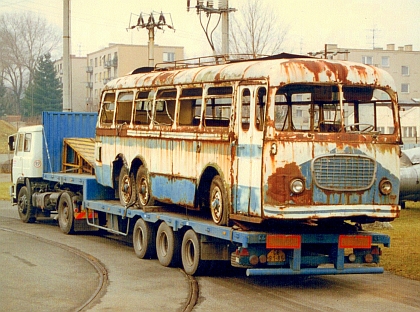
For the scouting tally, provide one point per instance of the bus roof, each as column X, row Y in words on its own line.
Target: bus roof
column 279, row 71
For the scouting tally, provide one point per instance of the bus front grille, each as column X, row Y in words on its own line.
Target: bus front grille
column 344, row 172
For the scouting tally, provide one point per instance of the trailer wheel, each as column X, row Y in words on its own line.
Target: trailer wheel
column 218, row 201
column 144, row 192
column 66, row 213
column 126, row 189
column 167, row 245
column 144, row 238
column 191, row 254
column 25, row 208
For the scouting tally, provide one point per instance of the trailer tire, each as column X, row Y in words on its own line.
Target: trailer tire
column 191, row 254
column 144, row 191
column 144, row 239
column 126, row 188
column 218, row 201
column 25, row 208
column 66, row 213
column 167, row 245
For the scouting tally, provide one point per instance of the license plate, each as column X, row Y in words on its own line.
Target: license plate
column 276, row 255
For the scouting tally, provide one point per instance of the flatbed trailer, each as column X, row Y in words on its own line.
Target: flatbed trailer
column 66, row 184
column 301, row 250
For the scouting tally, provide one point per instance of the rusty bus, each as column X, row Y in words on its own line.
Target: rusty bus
column 282, row 137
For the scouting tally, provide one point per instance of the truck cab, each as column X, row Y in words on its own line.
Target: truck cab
column 26, row 146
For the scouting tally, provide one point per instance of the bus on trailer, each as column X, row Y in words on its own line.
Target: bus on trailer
column 279, row 138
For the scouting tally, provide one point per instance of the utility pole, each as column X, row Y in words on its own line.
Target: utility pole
column 223, row 10
column 67, row 105
column 150, row 26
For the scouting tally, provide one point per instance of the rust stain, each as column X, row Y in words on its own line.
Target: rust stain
column 278, row 191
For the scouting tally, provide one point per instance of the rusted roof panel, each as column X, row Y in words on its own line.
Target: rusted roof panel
column 278, row 71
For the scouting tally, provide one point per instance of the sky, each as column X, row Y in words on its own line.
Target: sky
column 310, row 23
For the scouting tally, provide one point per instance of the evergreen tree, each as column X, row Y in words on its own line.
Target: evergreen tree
column 44, row 93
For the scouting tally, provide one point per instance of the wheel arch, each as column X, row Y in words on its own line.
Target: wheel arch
column 206, row 177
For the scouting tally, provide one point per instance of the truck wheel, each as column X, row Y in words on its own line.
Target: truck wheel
column 144, row 192
column 191, row 254
column 218, row 201
column 25, row 209
column 167, row 245
column 126, row 189
column 144, row 238
column 66, row 213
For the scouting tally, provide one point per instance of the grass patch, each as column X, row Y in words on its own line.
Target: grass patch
column 402, row 258
column 4, row 190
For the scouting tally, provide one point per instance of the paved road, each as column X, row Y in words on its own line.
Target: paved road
column 144, row 285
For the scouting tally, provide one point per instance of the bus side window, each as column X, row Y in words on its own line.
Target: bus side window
column 260, row 108
column 108, row 107
column 218, row 106
column 188, row 106
column 124, row 107
column 245, row 109
column 143, row 108
column 165, row 107
column 281, row 112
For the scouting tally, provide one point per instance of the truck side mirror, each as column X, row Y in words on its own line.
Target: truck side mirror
column 11, row 142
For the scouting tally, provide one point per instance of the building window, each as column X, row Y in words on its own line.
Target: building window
column 381, row 130
column 96, row 62
column 368, row 60
column 408, row 132
column 405, row 88
column 385, row 61
column 390, row 130
column 168, row 56
column 405, row 71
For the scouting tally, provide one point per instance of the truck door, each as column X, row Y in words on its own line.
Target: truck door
column 27, row 160
column 251, row 113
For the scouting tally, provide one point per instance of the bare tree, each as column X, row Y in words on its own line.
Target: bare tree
column 24, row 37
column 256, row 30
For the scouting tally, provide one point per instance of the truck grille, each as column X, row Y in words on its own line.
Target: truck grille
column 344, row 172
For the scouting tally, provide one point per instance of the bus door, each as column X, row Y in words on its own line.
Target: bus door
column 251, row 115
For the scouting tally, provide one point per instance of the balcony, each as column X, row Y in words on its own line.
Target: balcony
column 107, row 64
column 89, row 85
column 89, row 69
column 115, row 61
column 89, row 100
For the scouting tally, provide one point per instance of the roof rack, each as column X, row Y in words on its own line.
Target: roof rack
column 206, row 61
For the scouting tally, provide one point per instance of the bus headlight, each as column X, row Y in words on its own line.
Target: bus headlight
column 297, row 186
column 385, row 187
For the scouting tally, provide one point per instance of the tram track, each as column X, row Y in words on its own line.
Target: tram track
column 94, row 262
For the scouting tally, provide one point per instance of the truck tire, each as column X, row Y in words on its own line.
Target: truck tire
column 66, row 213
column 218, row 201
column 167, row 245
column 144, row 239
column 126, row 188
column 25, row 208
column 191, row 254
column 144, row 192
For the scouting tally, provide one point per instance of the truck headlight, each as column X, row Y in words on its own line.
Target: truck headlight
column 385, row 187
column 297, row 186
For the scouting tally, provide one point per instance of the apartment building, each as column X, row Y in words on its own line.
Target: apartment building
column 117, row 60
column 78, row 78
column 403, row 63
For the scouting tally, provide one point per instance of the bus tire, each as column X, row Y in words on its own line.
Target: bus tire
column 25, row 208
column 191, row 254
column 144, row 239
column 218, row 201
column 167, row 245
column 126, row 188
column 144, row 192
column 66, row 213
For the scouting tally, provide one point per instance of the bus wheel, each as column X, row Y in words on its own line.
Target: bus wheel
column 167, row 245
column 66, row 213
column 144, row 236
column 25, row 209
column 126, row 189
column 218, row 201
column 191, row 254
column 144, row 192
